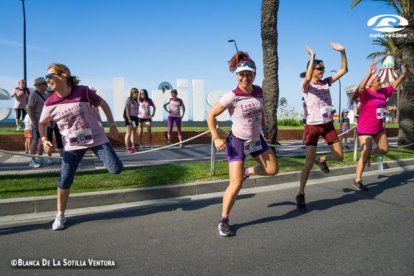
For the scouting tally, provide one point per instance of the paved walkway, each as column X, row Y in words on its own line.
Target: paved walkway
column 13, row 164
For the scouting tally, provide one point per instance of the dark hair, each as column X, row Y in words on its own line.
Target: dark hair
column 315, row 63
column 174, row 91
column 145, row 94
column 133, row 90
column 238, row 57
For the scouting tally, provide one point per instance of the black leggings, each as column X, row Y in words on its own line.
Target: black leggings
column 20, row 113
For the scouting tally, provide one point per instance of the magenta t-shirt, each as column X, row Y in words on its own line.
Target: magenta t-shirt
column 175, row 107
column 246, row 112
column 144, row 109
column 75, row 118
column 318, row 102
column 373, row 110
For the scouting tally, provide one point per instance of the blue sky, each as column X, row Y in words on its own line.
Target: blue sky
column 150, row 41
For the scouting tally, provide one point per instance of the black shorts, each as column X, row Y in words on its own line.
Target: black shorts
column 144, row 120
column 59, row 142
column 373, row 134
column 133, row 119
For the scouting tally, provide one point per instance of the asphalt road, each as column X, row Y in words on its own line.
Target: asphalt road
column 343, row 233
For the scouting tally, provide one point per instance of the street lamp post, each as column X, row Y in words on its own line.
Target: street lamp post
column 340, row 96
column 235, row 44
column 24, row 44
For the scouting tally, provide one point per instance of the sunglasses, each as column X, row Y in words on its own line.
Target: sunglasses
column 50, row 76
column 246, row 64
column 320, row 68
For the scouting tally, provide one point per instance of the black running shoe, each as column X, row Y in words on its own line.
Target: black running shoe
column 300, row 203
column 359, row 186
column 224, row 228
column 322, row 165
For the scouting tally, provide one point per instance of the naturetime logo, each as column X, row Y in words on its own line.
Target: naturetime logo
column 387, row 25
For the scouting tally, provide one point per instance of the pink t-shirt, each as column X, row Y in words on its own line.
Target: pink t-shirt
column 318, row 102
column 373, row 110
column 76, row 118
column 246, row 112
column 175, row 107
column 20, row 97
column 144, row 109
column 133, row 107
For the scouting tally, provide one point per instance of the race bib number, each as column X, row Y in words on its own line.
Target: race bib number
column 327, row 113
column 252, row 146
column 81, row 137
column 381, row 113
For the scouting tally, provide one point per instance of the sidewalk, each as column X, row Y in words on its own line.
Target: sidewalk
column 13, row 164
column 10, row 207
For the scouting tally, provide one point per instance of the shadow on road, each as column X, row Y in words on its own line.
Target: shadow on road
column 349, row 197
column 183, row 204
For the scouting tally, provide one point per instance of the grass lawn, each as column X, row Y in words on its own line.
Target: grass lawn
column 12, row 186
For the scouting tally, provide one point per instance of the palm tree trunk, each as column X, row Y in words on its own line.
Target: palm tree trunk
column 270, row 64
column 406, row 114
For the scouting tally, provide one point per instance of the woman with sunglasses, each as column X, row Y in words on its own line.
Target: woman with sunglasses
column 319, row 112
column 145, row 115
column 373, row 101
column 131, row 120
column 245, row 105
column 70, row 107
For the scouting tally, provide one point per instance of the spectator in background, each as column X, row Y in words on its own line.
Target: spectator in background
column 175, row 105
column 53, row 128
column 21, row 95
column 131, row 120
column 34, row 109
column 344, row 126
column 27, row 134
column 145, row 115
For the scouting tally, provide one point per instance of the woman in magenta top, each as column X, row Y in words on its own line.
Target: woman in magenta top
column 175, row 105
column 131, row 120
column 373, row 101
column 245, row 105
column 145, row 115
column 70, row 107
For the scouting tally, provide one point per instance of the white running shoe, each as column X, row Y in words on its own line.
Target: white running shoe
column 59, row 222
column 141, row 147
column 34, row 164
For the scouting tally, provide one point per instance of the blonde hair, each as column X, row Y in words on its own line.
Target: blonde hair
column 63, row 70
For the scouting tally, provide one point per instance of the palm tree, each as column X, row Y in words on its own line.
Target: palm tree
column 405, row 45
column 270, row 64
column 388, row 43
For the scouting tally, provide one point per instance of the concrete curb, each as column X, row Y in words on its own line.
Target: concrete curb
column 48, row 203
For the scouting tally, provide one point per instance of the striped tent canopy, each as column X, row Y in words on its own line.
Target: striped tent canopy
column 387, row 72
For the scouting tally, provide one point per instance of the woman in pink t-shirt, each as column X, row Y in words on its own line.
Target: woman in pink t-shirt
column 175, row 105
column 70, row 107
column 144, row 116
column 131, row 120
column 245, row 105
column 373, row 101
column 319, row 112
